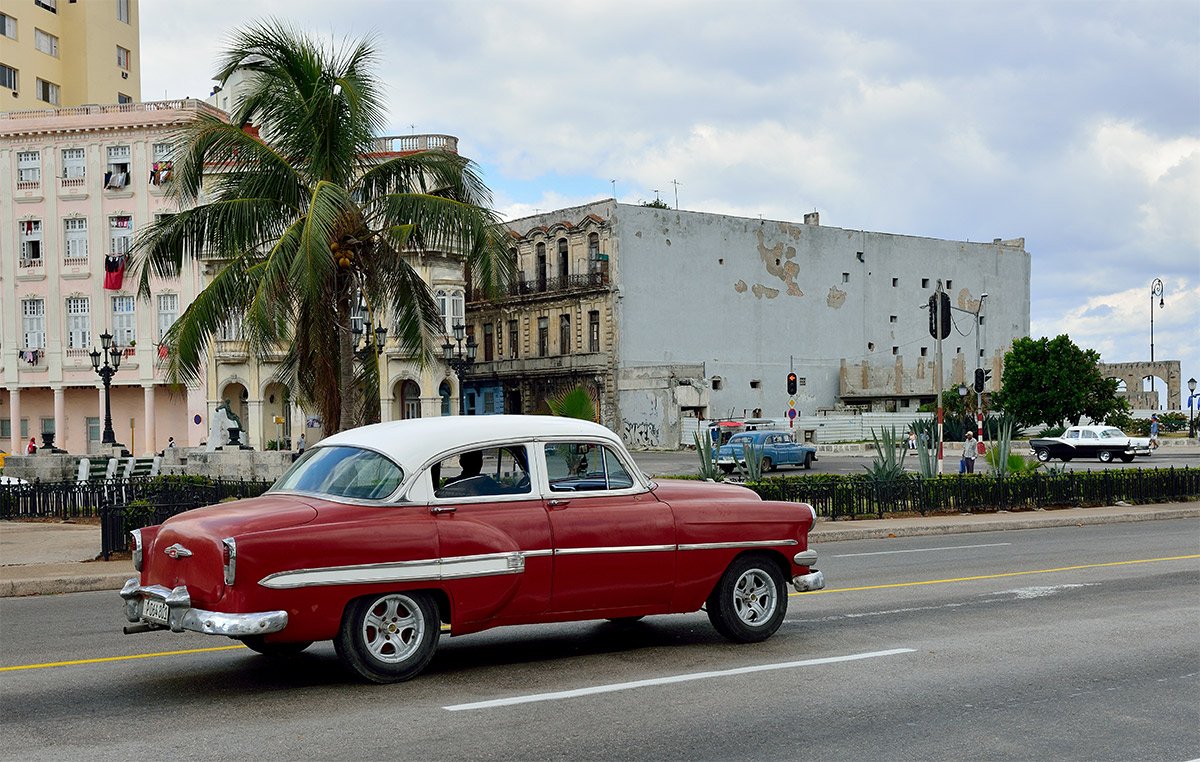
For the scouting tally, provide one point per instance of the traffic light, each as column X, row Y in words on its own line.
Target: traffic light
column 791, row 383
column 981, row 378
column 945, row 316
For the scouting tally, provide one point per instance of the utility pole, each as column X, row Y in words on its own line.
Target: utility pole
column 676, row 184
column 938, row 376
column 978, row 388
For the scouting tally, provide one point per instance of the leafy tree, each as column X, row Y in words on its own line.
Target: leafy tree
column 1052, row 380
column 657, row 203
column 303, row 217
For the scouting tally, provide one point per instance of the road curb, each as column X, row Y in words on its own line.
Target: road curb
column 1037, row 520
column 16, row 588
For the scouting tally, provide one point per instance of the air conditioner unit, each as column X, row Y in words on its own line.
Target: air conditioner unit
column 124, row 75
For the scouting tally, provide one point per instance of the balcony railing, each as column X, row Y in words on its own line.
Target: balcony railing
column 554, row 285
column 71, row 183
column 405, row 143
column 183, row 104
column 31, row 262
column 28, row 184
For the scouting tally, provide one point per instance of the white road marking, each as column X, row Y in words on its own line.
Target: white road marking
column 921, row 550
column 613, row 687
column 1025, row 593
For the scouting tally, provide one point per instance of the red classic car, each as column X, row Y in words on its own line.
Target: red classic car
column 379, row 536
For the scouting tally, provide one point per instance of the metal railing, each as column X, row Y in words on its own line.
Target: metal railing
column 549, row 285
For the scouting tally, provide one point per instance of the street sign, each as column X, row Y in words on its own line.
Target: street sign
column 791, row 413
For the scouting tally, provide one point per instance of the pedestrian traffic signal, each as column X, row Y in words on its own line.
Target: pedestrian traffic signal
column 981, row 378
column 791, row 383
column 945, row 315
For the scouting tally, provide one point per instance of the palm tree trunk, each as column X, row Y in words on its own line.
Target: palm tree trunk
column 346, row 385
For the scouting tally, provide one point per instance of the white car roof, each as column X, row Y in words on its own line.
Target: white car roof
column 413, row 441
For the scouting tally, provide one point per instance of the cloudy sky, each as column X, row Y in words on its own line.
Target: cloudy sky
column 1073, row 124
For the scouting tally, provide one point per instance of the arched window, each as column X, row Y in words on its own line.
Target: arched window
column 564, row 262
column 410, row 400
column 443, row 308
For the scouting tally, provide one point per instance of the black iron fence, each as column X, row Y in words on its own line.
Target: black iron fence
column 839, row 497
column 120, row 505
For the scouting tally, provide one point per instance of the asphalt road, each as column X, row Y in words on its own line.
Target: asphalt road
column 685, row 462
column 1071, row 643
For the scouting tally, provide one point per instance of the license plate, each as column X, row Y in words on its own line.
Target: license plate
column 155, row 611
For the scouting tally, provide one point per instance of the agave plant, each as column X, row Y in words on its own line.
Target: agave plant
column 708, row 461
column 998, row 458
column 927, row 444
column 751, row 465
column 887, row 465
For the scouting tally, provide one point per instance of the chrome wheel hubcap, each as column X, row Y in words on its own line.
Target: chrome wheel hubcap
column 755, row 597
column 393, row 628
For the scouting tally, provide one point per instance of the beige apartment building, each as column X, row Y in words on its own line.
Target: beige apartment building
column 77, row 186
column 56, row 53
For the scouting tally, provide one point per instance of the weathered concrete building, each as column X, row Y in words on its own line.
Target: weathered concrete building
column 703, row 316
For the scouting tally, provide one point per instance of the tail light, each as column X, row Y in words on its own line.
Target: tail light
column 229, row 551
column 135, row 544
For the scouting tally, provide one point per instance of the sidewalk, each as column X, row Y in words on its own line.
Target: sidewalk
column 50, row 558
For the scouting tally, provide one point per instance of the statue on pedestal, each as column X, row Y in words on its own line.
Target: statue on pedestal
column 226, row 428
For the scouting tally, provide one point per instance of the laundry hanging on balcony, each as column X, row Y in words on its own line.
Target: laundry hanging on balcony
column 160, row 172
column 114, row 271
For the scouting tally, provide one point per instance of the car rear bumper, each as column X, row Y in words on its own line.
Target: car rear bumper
column 181, row 616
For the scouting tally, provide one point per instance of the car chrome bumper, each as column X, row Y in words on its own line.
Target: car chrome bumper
column 814, row 580
column 183, row 617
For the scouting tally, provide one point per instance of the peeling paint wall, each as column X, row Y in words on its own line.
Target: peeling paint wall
column 751, row 299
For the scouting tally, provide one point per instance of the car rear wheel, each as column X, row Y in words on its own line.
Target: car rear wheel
column 727, row 469
column 749, row 602
column 258, row 643
column 1105, row 456
column 1042, row 454
column 767, row 465
column 389, row 638
column 1127, row 458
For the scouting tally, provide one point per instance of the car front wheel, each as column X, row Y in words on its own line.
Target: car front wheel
column 1042, row 454
column 808, row 461
column 1105, row 456
column 749, row 602
column 389, row 638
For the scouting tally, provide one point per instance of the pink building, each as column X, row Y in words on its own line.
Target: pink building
column 76, row 187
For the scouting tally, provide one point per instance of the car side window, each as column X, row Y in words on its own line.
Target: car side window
column 1074, row 434
column 1089, row 434
column 482, row 473
column 584, row 467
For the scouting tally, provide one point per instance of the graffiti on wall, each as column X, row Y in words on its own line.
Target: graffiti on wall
column 640, row 435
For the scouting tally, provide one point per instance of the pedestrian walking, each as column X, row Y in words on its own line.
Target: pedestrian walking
column 969, row 453
column 300, row 444
column 1154, row 432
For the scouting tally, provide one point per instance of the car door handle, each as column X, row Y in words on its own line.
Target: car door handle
column 556, row 503
column 443, row 509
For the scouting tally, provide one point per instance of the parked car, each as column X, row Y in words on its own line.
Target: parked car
column 377, row 537
column 1103, row 442
column 779, row 448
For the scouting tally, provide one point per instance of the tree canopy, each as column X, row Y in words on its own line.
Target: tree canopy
column 306, row 218
column 1053, row 380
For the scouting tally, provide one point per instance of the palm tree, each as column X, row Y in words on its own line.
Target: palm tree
column 304, row 221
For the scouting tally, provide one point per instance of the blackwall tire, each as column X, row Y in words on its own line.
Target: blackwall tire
column 1042, row 454
column 750, row 600
column 389, row 638
column 1105, row 456
column 808, row 461
column 767, row 465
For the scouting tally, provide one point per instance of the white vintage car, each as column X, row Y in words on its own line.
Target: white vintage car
column 1104, row 442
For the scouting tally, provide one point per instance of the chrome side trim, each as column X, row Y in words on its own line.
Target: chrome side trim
column 136, row 536
column 742, row 544
column 230, row 546
column 400, row 571
column 614, row 549
column 183, row 617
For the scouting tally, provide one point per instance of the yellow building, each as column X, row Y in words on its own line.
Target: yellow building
column 59, row 53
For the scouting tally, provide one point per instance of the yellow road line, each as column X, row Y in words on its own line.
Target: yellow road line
column 812, row 592
column 997, row 576
column 120, row 658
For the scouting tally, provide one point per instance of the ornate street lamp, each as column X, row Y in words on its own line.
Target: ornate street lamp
column 459, row 361
column 1191, row 407
column 1156, row 289
column 112, row 360
column 373, row 340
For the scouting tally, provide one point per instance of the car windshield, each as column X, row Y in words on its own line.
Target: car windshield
column 342, row 472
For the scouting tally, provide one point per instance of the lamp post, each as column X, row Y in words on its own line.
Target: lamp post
column 369, row 351
column 112, row 360
column 1191, row 407
column 460, row 361
column 1156, row 289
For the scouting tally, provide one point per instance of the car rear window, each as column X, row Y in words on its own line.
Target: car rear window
column 342, row 472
